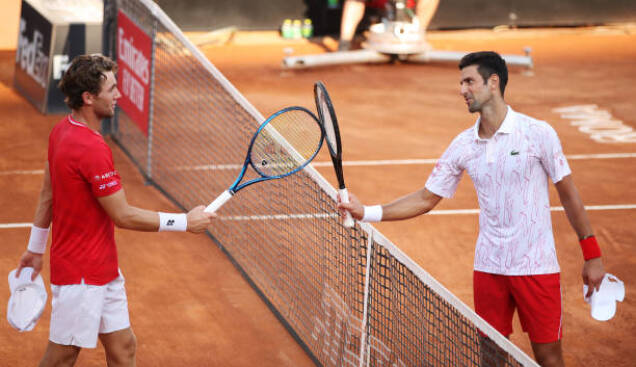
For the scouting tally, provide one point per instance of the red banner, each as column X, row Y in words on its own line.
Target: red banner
column 134, row 48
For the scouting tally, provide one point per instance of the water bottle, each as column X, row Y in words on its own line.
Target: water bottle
column 308, row 28
column 296, row 29
column 286, row 29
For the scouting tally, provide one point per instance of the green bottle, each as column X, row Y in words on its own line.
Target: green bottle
column 308, row 28
column 297, row 29
column 286, row 29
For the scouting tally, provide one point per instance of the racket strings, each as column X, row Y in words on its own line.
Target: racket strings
column 327, row 123
column 286, row 143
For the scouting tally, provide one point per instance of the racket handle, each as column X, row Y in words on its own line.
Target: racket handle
column 218, row 202
column 344, row 196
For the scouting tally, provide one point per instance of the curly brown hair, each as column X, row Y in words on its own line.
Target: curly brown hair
column 85, row 74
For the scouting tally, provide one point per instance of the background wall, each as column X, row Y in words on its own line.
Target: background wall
column 254, row 15
column 249, row 14
column 9, row 20
column 490, row 13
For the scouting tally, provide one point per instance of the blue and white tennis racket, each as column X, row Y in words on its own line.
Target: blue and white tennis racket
column 284, row 144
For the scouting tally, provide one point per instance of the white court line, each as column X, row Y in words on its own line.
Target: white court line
column 15, row 225
column 601, row 156
column 553, row 209
column 385, row 162
column 283, row 216
column 22, row 172
column 432, row 212
column 334, row 215
column 397, row 162
column 434, row 160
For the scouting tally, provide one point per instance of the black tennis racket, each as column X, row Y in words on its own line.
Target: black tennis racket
column 332, row 136
column 284, row 144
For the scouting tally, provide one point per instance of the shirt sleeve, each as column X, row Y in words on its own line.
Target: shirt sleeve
column 97, row 168
column 447, row 172
column 552, row 158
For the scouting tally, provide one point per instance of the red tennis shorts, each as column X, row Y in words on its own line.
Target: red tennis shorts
column 536, row 297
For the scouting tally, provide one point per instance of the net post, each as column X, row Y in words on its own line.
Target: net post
column 109, row 28
column 150, row 97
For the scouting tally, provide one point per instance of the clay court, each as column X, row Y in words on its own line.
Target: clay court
column 189, row 305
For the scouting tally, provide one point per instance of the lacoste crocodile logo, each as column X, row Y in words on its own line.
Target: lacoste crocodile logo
column 514, row 152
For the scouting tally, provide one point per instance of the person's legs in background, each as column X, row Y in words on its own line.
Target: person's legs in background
column 352, row 13
column 425, row 11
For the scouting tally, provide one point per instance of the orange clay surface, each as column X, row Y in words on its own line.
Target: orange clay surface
column 188, row 304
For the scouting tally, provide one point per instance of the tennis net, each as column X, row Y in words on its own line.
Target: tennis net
column 349, row 296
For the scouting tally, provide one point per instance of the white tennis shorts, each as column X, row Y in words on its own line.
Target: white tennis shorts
column 81, row 312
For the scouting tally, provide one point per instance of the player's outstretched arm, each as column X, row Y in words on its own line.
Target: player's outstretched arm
column 130, row 217
column 593, row 271
column 32, row 257
column 409, row 206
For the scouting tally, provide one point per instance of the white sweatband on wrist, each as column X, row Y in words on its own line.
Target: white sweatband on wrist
column 372, row 213
column 37, row 240
column 173, row 222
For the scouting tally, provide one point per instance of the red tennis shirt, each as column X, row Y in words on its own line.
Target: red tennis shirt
column 379, row 4
column 81, row 169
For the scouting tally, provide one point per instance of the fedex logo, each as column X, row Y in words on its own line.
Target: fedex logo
column 30, row 54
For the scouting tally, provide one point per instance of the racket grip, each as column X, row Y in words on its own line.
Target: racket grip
column 344, row 196
column 218, row 202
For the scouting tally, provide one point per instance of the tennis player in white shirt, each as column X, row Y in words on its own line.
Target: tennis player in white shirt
column 510, row 157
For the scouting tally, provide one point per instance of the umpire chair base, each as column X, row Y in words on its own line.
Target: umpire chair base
column 389, row 41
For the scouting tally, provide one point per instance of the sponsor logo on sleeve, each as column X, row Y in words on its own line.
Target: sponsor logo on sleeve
column 105, row 176
column 108, row 185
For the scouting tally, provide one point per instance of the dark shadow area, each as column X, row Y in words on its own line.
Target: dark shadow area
column 7, row 67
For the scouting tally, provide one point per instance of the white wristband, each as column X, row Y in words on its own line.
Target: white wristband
column 173, row 222
column 372, row 213
column 37, row 240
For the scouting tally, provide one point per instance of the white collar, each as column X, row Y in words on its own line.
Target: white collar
column 506, row 127
column 75, row 122
column 72, row 121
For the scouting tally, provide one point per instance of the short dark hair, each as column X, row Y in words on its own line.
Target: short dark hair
column 85, row 74
column 488, row 63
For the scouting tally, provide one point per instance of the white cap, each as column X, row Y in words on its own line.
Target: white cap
column 603, row 301
column 27, row 300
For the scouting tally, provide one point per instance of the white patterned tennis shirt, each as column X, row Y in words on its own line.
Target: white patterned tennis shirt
column 510, row 172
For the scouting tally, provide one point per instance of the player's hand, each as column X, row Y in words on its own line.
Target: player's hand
column 593, row 274
column 30, row 260
column 353, row 206
column 199, row 220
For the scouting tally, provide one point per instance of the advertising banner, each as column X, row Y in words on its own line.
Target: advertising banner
column 32, row 55
column 134, row 49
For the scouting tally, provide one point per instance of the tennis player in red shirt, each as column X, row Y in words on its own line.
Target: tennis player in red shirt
column 83, row 197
